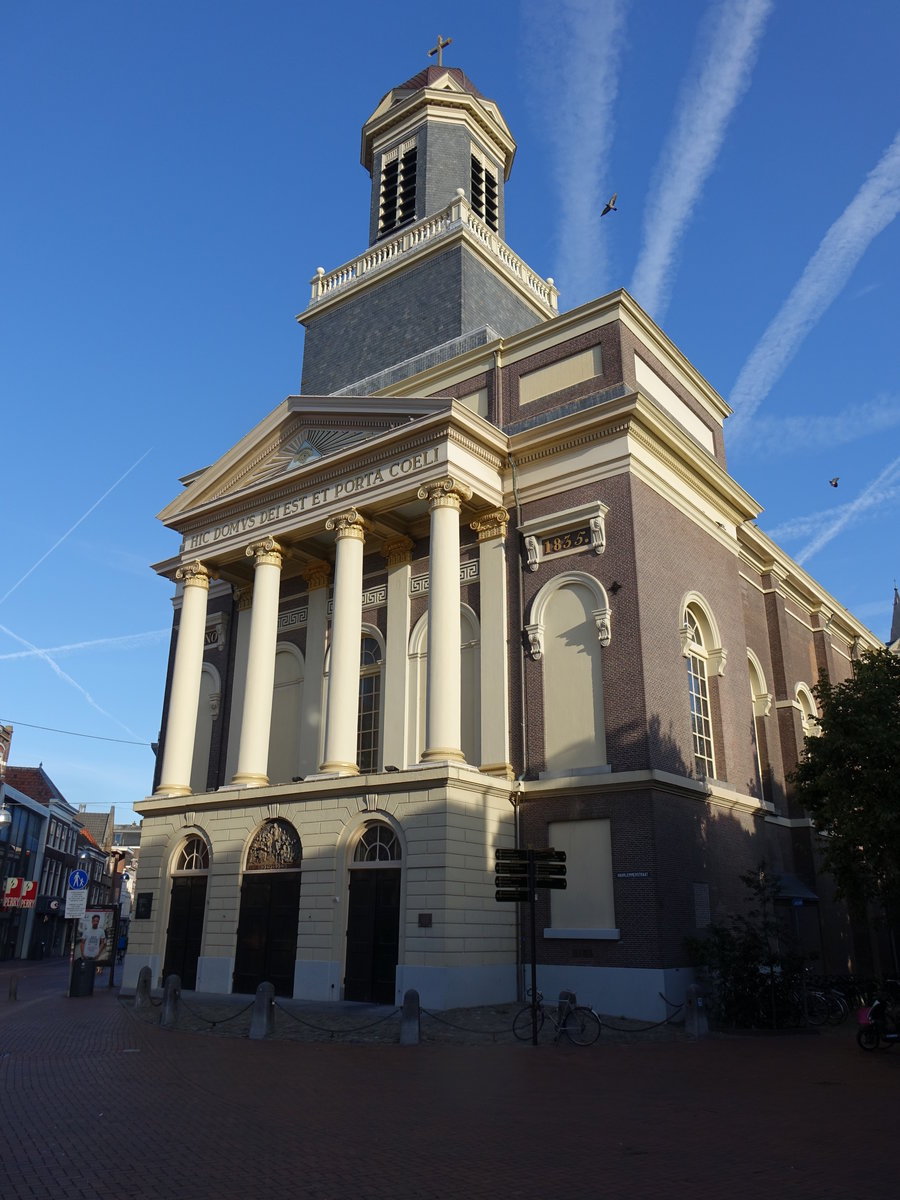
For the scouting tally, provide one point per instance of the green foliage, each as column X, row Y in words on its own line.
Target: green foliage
column 849, row 780
column 743, row 958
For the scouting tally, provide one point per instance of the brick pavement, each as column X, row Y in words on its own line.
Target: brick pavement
column 98, row 1105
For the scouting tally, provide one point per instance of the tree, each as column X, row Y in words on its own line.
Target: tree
column 849, row 781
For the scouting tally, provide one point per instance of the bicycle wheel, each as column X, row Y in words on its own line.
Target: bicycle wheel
column 867, row 1037
column 582, row 1026
column 522, row 1024
column 816, row 1008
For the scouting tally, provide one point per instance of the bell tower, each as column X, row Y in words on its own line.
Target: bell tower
column 437, row 278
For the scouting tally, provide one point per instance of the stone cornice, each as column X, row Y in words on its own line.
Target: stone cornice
column 762, row 555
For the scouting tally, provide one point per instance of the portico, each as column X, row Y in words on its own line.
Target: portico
column 406, row 498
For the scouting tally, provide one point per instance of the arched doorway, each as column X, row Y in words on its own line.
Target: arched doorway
column 187, row 906
column 373, row 916
column 270, row 911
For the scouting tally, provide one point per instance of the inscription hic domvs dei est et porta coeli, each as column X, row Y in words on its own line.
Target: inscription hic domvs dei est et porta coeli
column 343, row 489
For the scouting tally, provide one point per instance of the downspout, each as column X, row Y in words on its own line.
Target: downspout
column 515, row 798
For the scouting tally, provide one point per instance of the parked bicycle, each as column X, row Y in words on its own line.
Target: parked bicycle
column 580, row 1024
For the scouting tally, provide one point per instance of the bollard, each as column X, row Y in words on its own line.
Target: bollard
column 262, row 1019
column 142, row 993
column 13, row 987
column 171, row 996
column 410, row 1019
column 695, row 1020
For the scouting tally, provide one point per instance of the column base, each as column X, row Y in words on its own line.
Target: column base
column 502, row 770
column 329, row 770
column 173, row 789
column 443, row 754
column 248, row 779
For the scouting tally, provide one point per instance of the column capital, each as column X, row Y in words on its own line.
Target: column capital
column 491, row 524
column 349, row 524
column 243, row 597
column 316, row 574
column 193, row 574
column 398, row 550
column 265, row 552
column 445, row 493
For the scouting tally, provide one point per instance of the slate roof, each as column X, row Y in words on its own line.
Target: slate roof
column 98, row 824
column 429, row 75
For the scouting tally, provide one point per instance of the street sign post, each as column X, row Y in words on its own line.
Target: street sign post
column 517, row 876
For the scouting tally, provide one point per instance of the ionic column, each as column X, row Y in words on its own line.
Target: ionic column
column 394, row 711
column 184, row 697
column 491, row 529
column 317, row 575
column 442, row 706
column 342, row 708
column 256, row 718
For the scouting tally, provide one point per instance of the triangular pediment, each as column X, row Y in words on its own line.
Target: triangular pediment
column 295, row 440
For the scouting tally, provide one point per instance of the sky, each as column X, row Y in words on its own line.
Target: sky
column 174, row 173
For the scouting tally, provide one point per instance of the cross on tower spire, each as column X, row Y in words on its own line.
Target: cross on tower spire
column 438, row 50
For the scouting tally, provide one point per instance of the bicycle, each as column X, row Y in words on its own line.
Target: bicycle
column 580, row 1024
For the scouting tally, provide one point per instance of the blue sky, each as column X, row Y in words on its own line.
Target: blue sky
column 174, row 174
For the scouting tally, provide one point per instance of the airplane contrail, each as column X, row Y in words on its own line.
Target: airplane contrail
column 874, row 494
column 65, row 677
column 707, row 102
column 869, row 212
column 83, row 517
column 579, row 46
column 126, row 641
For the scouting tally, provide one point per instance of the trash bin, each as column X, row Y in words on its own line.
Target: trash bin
column 82, row 978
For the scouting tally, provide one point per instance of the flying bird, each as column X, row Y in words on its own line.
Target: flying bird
column 610, row 205
column 834, row 482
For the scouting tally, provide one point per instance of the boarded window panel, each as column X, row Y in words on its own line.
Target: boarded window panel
column 587, row 901
column 570, row 371
column 574, row 735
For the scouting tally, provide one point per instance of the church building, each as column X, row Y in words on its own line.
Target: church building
column 486, row 583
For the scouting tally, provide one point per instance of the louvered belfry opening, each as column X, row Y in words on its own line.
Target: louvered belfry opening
column 485, row 201
column 397, row 201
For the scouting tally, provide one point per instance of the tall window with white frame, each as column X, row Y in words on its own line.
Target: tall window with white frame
column 698, row 685
column 368, row 727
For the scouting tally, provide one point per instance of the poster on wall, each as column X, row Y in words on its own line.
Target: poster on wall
column 95, row 936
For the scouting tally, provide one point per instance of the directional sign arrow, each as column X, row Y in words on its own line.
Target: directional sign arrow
column 512, row 894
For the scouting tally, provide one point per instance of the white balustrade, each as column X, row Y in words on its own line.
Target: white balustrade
column 458, row 214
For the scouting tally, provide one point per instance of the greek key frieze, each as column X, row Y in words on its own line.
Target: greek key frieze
column 293, row 617
column 468, row 573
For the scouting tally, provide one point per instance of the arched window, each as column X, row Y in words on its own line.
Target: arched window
column 287, row 705
column 368, row 724
column 809, row 717
column 703, row 653
column 378, row 844
column 761, row 701
column 193, row 856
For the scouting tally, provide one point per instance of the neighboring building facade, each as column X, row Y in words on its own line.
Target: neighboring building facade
column 489, row 583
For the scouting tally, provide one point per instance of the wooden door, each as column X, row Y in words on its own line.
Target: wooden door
column 185, row 933
column 373, row 935
column 267, row 932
